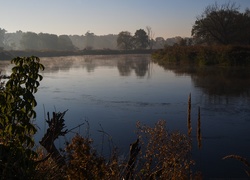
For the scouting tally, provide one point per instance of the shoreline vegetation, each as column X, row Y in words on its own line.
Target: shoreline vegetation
column 219, row 55
column 8, row 55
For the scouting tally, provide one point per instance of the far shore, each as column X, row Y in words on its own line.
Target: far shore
column 8, row 55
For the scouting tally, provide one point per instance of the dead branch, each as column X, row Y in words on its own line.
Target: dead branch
column 56, row 126
column 134, row 151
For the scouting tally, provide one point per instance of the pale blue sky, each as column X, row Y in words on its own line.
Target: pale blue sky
column 167, row 18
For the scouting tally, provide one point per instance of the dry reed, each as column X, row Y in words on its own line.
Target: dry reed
column 199, row 138
column 189, row 116
column 241, row 159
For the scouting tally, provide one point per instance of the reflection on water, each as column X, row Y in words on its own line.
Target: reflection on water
column 125, row 64
column 117, row 91
column 224, row 96
column 217, row 81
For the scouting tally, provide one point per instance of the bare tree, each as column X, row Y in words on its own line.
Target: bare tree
column 150, row 34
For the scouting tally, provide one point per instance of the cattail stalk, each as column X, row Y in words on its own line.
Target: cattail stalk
column 189, row 116
column 199, row 138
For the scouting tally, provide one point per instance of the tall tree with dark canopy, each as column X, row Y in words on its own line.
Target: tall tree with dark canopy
column 222, row 24
column 125, row 40
column 141, row 39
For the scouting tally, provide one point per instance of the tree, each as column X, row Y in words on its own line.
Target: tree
column 65, row 43
column 48, row 41
column 2, row 34
column 159, row 42
column 90, row 38
column 150, row 36
column 141, row 39
column 12, row 40
column 125, row 40
column 30, row 41
column 222, row 25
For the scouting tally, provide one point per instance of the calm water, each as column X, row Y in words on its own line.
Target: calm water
column 114, row 92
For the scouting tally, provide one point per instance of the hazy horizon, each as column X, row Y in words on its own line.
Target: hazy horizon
column 166, row 18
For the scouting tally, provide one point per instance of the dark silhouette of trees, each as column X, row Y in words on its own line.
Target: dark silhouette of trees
column 51, row 42
column 125, row 40
column 48, row 41
column 44, row 41
column 141, row 39
column 222, row 25
column 64, row 43
column 2, row 33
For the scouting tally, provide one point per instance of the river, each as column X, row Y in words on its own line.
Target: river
column 111, row 93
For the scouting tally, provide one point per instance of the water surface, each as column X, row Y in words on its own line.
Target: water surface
column 112, row 93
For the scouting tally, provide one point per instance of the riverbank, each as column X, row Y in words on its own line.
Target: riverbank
column 7, row 55
column 203, row 55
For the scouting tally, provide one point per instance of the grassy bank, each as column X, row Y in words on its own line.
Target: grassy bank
column 203, row 55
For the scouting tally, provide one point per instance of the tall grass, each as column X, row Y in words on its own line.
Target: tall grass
column 199, row 138
column 189, row 116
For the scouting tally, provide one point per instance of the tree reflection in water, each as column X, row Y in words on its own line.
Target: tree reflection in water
column 125, row 64
column 140, row 66
column 217, row 81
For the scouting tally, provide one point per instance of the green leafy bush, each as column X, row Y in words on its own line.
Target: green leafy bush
column 17, row 104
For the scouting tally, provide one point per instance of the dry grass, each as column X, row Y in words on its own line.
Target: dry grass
column 241, row 159
column 164, row 155
column 83, row 162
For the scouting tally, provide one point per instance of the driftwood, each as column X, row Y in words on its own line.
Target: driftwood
column 55, row 129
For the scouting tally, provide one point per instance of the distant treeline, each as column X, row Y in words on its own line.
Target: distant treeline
column 203, row 55
column 51, row 42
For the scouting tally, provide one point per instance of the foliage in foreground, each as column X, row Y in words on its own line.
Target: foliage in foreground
column 203, row 55
column 17, row 104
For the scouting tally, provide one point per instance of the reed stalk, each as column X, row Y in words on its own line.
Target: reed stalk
column 189, row 116
column 199, row 138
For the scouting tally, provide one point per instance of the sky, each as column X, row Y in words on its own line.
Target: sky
column 167, row 18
